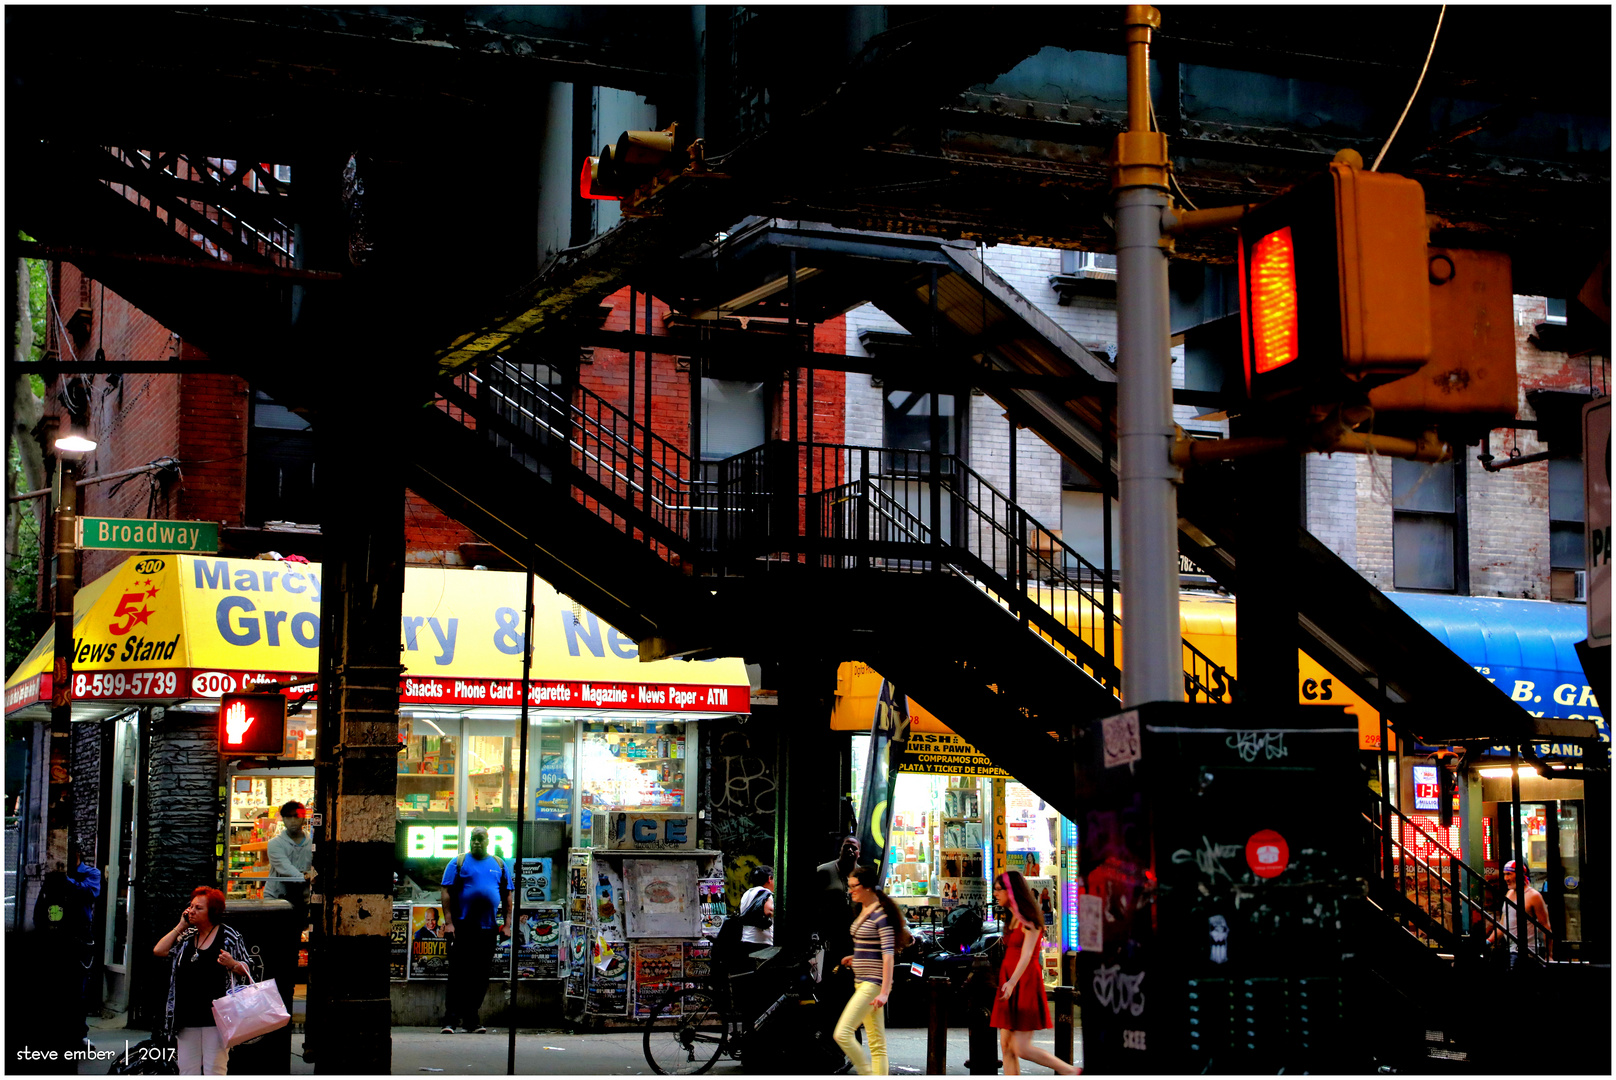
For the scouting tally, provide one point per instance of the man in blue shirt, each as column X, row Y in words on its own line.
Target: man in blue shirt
column 476, row 896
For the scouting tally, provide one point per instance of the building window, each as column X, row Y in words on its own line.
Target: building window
column 906, row 420
column 1077, row 262
column 1425, row 526
column 733, row 417
column 1567, row 509
column 280, row 464
column 1555, row 311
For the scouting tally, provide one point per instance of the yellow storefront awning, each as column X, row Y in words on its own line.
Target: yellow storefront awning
column 166, row 628
column 1208, row 624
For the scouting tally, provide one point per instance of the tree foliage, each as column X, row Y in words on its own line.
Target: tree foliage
column 25, row 462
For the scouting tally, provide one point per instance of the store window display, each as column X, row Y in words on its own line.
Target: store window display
column 628, row 765
column 255, row 802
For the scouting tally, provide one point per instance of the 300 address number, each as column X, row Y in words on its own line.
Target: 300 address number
column 117, row 684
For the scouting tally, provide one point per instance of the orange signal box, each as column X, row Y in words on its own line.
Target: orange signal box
column 1472, row 365
column 1333, row 284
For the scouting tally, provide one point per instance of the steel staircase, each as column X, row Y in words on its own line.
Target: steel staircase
column 776, row 511
column 226, row 209
column 1425, row 921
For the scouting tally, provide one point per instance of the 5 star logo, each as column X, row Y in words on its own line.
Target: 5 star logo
column 131, row 614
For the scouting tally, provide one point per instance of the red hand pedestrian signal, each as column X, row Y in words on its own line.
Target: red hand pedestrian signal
column 236, row 723
column 252, row 724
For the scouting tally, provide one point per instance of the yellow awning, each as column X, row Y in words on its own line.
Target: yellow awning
column 164, row 628
column 1208, row 624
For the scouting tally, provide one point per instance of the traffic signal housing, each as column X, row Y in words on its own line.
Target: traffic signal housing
column 252, row 725
column 636, row 166
column 1334, row 297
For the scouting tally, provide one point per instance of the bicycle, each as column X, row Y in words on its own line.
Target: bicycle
column 691, row 1027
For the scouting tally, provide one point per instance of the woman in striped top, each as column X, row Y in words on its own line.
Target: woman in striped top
column 876, row 940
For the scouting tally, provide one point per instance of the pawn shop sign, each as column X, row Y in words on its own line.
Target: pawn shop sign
column 252, row 725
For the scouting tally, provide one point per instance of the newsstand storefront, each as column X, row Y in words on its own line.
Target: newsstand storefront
column 160, row 639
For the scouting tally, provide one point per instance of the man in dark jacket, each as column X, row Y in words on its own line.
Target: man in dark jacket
column 65, row 915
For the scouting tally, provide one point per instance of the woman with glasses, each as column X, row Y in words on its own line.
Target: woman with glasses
column 878, row 934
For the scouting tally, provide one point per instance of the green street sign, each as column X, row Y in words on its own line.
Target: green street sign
column 145, row 534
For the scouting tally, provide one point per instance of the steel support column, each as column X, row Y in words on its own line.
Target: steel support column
column 361, row 604
column 1147, row 483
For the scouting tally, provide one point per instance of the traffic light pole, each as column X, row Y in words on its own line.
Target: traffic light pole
column 58, row 812
column 1151, row 635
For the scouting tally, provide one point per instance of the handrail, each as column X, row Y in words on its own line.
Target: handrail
column 204, row 216
column 1434, row 882
column 831, row 504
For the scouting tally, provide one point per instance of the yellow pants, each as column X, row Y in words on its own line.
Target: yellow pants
column 860, row 1011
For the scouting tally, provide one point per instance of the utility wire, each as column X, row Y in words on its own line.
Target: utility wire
column 1171, row 179
column 1417, row 84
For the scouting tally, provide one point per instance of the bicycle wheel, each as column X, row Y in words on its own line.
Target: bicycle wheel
column 685, row 1034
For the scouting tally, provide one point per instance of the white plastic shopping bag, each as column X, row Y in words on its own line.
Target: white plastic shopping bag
column 249, row 1011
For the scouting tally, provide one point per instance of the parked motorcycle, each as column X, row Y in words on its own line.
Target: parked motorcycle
column 960, row 946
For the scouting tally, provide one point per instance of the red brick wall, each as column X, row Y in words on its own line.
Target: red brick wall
column 431, row 537
column 199, row 419
column 607, row 376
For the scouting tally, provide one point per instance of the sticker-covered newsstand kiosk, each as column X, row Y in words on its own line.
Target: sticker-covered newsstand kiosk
column 613, row 746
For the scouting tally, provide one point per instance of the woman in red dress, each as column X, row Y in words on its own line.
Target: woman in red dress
column 1021, row 1006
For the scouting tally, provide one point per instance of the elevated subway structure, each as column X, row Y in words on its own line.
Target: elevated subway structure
column 876, row 133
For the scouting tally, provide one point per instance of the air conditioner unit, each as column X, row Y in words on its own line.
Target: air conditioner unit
column 1579, row 588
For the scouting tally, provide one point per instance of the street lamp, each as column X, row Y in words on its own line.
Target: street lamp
column 70, row 450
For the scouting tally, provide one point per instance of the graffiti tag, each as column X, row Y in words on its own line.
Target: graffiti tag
column 1209, row 859
column 1118, row 992
column 1253, row 744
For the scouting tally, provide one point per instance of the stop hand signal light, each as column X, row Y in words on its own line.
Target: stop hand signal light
column 252, row 725
column 1334, row 296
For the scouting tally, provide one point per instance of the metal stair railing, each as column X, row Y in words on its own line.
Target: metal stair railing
column 569, row 435
column 821, row 504
column 214, row 203
column 863, row 506
column 1437, row 905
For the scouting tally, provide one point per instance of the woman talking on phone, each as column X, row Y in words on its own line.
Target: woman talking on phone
column 207, row 958
column 1021, row 1006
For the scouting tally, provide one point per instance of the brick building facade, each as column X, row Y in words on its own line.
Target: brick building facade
column 1349, row 497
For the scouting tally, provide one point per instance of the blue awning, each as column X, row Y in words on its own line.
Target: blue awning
column 1527, row 648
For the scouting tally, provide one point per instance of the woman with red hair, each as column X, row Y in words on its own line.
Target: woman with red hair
column 207, row 959
column 1021, row 1006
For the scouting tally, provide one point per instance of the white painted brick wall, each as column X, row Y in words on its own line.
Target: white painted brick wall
column 1372, row 480
column 1332, row 503
column 1348, row 495
column 1038, row 467
column 1509, row 509
column 1508, row 518
column 863, row 416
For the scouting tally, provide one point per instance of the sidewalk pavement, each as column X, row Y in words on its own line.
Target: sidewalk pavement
column 425, row 1052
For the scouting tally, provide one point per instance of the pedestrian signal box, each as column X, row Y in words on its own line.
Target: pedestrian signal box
column 1333, row 285
column 252, row 725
